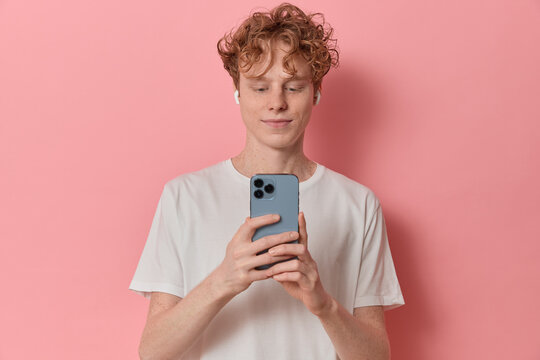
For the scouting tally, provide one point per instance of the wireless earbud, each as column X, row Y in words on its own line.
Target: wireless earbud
column 236, row 97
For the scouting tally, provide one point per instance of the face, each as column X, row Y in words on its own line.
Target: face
column 276, row 96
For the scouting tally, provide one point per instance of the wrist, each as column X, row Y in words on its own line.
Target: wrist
column 217, row 286
column 328, row 308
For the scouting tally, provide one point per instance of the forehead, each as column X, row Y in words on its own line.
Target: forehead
column 271, row 64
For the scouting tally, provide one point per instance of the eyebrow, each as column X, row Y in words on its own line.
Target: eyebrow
column 293, row 78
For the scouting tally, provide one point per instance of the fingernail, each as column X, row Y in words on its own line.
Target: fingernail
column 272, row 251
column 292, row 235
column 275, row 217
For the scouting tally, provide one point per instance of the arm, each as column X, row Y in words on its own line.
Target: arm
column 174, row 324
column 358, row 336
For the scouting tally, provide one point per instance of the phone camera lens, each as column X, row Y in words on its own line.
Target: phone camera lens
column 258, row 183
column 269, row 188
column 258, row 193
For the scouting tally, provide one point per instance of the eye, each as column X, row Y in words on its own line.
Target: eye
column 260, row 89
column 295, row 89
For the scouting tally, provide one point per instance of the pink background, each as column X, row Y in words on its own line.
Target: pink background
column 434, row 107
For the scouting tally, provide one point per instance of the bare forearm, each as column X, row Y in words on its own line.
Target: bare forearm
column 170, row 333
column 353, row 339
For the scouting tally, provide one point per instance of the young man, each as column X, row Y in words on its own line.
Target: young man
column 207, row 300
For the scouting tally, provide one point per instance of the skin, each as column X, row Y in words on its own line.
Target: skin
column 280, row 95
column 276, row 97
column 174, row 323
column 362, row 335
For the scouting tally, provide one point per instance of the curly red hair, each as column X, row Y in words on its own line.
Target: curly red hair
column 287, row 23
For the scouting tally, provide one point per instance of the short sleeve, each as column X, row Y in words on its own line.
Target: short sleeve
column 159, row 267
column 377, row 280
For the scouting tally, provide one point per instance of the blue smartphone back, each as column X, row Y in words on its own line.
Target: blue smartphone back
column 274, row 194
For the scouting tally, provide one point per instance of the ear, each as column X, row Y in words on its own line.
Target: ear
column 317, row 97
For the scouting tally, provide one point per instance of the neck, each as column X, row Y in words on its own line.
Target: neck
column 262, row 160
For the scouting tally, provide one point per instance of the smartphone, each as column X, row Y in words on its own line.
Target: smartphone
column 274, row 194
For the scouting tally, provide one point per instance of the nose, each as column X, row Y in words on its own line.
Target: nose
column 277, row 100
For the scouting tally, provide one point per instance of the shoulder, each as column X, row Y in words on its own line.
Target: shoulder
column 352, row 189
column 189, row 182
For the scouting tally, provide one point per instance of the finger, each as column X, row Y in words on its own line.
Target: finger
column 294, row 276
column 302, row 228
column 291, row 271
column 251, row 224
column 287, row 266
column 255, row 275
column 264, row 259
column 269, row 241
column 288, row 249
column 303, row 236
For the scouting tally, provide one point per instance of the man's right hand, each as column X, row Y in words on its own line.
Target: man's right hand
column 237, row 270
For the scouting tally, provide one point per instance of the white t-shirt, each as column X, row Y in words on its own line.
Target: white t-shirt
column 199, row 213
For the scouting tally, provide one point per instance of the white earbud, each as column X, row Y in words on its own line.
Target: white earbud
column 236, row 97
column 318, row 97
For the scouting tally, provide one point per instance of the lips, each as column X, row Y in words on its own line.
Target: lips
column 277, row 120
column 277, row 123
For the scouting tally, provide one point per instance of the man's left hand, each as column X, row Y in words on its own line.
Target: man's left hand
column 300, row 277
